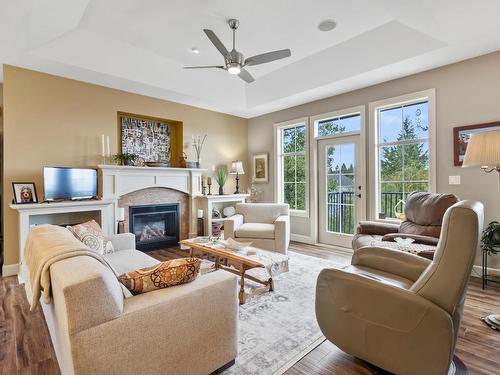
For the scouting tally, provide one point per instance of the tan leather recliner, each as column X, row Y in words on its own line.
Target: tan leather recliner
column 399, row 311
column 423, row 219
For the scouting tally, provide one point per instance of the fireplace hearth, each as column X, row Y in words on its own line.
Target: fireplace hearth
column 155, row 226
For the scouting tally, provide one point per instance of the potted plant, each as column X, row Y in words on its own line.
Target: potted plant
column 221, row 177
column 125, row 158
column 198, row 143
column 490, row 239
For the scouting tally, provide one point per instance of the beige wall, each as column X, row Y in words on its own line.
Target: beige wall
column 51, row 120
column 466, row 93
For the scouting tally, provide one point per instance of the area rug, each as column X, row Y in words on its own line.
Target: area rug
column 277, row 329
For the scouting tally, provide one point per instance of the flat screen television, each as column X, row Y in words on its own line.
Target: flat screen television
column 63, row 183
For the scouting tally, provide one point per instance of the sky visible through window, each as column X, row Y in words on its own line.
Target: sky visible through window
column 403, row 153
column 339, row 125
column 391, row 121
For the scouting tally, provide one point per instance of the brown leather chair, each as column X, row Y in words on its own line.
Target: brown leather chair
column 398, row 311
column 423, row 218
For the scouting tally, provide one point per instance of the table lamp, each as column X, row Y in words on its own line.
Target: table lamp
column 483, row 150
column 237, row 169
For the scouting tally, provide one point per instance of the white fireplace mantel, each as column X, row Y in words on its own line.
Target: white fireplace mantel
column 117, row 181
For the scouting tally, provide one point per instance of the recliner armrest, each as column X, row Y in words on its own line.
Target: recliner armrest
column 282, row 233
column 378, row 228
column 122, row 241
column 424, row 240
column 231, row 225
column 392, row 261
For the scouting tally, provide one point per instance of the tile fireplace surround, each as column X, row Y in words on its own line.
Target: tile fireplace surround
column 118, row 181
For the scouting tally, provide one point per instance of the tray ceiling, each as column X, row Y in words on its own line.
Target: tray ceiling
column 141, row 46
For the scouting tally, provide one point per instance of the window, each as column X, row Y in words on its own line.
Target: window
column 403, row 153
column 292, row 165
column 339, row 125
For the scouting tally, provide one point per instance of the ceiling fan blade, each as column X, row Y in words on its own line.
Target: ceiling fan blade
column 268, row 57
column 216, row 42
column 205, row 67
column 245, row 76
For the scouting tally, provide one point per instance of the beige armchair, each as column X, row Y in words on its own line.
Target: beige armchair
column 398, row 311
column 266, row 225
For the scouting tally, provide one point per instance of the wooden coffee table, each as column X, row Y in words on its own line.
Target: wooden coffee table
column 242, row 262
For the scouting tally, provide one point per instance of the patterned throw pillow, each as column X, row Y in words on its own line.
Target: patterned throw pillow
column 163, row 275
column 91, row 234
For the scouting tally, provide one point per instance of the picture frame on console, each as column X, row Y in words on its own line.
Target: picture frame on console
column 461, row 135
column 260, row 167
column 24, row 192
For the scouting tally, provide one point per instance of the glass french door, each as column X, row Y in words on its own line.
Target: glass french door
column 339, row 189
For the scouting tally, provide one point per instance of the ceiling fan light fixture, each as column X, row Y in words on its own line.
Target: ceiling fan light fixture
column 233, row 68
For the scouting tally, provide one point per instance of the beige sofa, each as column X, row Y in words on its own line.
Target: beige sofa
column 186, row 329
column 266, row 225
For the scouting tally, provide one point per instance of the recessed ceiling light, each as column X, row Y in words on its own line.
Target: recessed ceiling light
column 327, row 25
column 195, row 50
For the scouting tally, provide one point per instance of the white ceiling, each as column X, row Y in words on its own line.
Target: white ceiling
column 141, row 46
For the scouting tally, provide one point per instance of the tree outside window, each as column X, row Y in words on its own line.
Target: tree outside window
column 403, row 151
column 293, row 162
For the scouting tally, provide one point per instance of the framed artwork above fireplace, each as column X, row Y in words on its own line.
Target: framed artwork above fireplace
column 152, row 139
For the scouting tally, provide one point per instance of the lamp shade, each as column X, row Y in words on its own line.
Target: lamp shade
column 483, row 150
column 121, row 214
column 237, row 167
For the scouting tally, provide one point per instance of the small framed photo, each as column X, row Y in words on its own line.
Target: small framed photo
column 260, row 167
column 24, row 192
column 461, row 136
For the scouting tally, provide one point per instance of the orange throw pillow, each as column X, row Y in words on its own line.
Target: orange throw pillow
column 163, row 275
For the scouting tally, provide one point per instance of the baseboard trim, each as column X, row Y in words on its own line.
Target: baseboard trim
column 477, row 271
column 10, row 270
column 302, row 238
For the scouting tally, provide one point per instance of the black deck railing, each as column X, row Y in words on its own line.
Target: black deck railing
column 340, row 211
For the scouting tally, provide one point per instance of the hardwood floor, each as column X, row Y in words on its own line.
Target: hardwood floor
column 25, row 346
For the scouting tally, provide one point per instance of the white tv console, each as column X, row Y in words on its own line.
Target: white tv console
column 60, row 213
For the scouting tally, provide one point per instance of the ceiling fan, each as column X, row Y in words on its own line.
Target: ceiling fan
column 234, row 61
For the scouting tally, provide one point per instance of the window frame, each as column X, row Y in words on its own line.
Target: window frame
column 374, row 109
column 361, row 110
column 278, row 160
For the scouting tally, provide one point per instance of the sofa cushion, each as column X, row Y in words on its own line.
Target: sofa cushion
column 261, row 212
column 91, row 234
column 255, row 230
column 129, row 260
column 163, row 275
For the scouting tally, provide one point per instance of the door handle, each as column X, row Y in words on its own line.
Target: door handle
column 358, row 195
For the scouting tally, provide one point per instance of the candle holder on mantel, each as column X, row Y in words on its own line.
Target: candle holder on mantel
column 209, row 183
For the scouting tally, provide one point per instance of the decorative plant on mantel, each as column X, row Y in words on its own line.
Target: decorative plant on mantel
column 125, row 158
column 198, row 143
column 490, row 239
column 221, row 177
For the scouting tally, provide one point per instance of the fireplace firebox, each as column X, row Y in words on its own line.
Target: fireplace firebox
column 155, row 226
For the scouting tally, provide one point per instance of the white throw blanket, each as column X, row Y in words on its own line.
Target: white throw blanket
column 46, row 245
